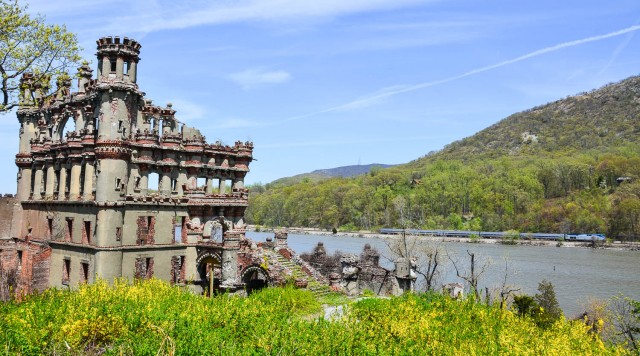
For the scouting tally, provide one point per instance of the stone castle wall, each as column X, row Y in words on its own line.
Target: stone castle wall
column 7, row 203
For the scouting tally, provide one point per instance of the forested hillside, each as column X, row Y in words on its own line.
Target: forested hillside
column 568, row 166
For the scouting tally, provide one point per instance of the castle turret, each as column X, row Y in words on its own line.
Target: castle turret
column 118, row 105
column 118, row 59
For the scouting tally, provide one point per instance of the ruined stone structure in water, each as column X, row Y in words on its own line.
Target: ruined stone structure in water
column 128, row 191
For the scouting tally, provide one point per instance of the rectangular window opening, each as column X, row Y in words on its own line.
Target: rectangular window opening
column 19, row 260
column 66, row 271
column 85, row 272
column 87, row 231
column 149, row 262
column 118, row 233
column 177, row 232
column 69, row 235
column 113, row 65
column 50, row 227
column 201, row 183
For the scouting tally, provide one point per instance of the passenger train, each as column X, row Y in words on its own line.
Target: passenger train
column 496, row 234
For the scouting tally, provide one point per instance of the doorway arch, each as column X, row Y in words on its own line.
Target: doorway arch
column 255, row 278
column 210, row 272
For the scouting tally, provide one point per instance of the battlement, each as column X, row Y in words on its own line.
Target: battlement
column 113, row 182
column 113, row 46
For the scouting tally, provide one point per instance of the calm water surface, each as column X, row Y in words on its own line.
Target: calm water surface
column 577, row 274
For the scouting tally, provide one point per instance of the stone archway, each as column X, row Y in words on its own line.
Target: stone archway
column 255, row 278
column 210, row 272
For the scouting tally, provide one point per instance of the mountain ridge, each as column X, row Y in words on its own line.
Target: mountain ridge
column 320, row 174
column 552, row 168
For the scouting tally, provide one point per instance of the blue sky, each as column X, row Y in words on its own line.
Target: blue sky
column 321, row 84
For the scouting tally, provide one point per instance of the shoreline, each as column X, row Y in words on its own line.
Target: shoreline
column 615, row 245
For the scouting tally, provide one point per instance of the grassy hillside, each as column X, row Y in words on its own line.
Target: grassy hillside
column 597, row 120
column 554, row 168
column 153, row 318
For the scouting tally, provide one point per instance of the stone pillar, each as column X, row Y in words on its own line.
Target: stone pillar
column 165, row 182
column 144, row 182
column 119, row 68
column 230, row 247
column 281, row 239
column 209, row 189
column 350, row 270
column 238, row 184
column 133, row 68
column 222, row 187
column 37, row 184
column 89, row 172
column 24, row 184
column 192, row 178
column 74, row 184
column 182, row 179
column 62, row 184
column 106, row 66
column 50, row 182
column 404, row 274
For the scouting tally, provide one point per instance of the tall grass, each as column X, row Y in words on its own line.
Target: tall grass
column 151, row 317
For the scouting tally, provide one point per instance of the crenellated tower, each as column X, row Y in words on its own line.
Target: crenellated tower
column 118, row 101
column 119, row 187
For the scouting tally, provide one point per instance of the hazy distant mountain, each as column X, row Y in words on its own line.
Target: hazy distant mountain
column 321, row 174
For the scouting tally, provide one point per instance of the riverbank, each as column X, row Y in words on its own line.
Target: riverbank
column 633, row 246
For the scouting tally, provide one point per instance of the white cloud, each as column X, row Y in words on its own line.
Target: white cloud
column 254, row 77
column 380, row 95
column 355, row 141
column 157, row 15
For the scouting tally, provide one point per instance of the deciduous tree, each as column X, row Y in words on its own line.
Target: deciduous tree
column 29, row 44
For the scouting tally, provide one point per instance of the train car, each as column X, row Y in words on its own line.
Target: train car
column 495, row 234
column 585, row 237
column 545, row 236
column 492, row 234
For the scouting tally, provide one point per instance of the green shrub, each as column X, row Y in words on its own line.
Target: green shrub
column 152, row 317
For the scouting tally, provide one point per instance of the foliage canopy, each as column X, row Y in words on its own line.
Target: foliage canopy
column 29, row 44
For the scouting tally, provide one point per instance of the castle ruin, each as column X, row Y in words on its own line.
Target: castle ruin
column 111, row 185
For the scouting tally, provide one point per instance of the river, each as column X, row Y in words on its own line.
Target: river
column 577, row 274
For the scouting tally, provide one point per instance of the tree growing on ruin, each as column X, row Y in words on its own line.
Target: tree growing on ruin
column 426, row 256
column 473, row 275
column 29, row 44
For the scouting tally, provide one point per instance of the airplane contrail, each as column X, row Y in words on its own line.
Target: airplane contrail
column 409, row 88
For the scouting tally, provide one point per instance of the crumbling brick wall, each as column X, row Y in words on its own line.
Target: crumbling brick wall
column 144, row 268
column 7, row 203
column 178, row 269
column 145, row 230
column 41, row 262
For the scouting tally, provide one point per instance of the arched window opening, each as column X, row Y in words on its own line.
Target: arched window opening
column 69, row 126
column 154, row 179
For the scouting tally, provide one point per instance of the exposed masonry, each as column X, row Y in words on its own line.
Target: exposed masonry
column 111, row 185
